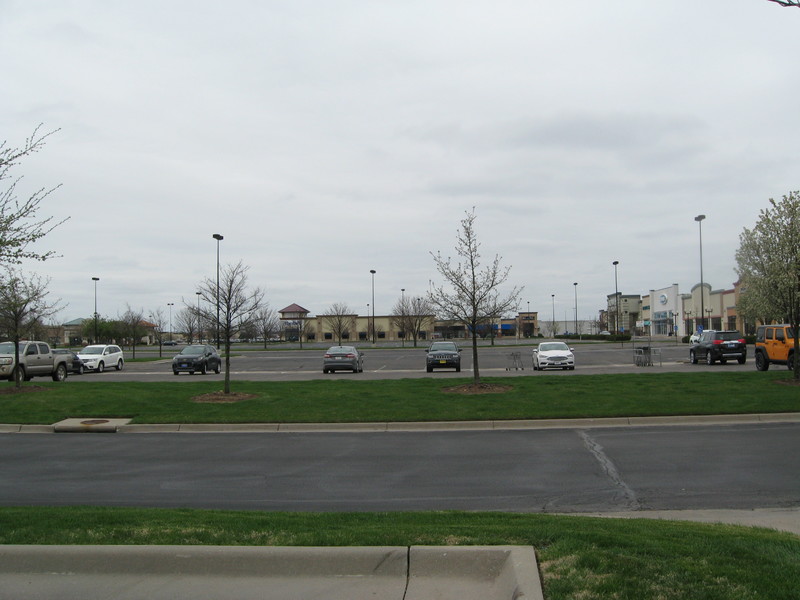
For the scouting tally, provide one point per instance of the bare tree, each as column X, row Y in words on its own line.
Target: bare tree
column 266, row 323
column 19, row 226
column 786, row 2
column 23, row 304
column 187, row 321
column 410, row 315
column 237, row 307
column 768, row 264
column 158, row 319
column 132, row 326
column 473, row 294
column 340, row 319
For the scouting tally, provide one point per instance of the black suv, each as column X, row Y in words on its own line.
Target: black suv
column 443, row 355
column 719, row 346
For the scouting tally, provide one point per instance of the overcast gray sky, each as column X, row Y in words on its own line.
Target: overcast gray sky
column 327, row 138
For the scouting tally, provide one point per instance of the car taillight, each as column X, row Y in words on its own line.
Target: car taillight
column 327, row 356
column 717, row 342
column 351, row 356
column 741, row 341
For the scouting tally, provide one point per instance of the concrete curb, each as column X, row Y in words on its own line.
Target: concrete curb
column 204, row 572
column 121, row 425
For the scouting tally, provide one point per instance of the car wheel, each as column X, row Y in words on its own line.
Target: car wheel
column 217, row 368
column 692, row 357
column 100, row 367
column 80, row 369
column 203, row 369
column 23, row 376
column 742, row 360
column 60, row 373
column 458, row 369
column 325, row 371
column 430, row 369
column 120, row 364
column 762, row 362
column 572, row 368
column 723, row 361
column 174, row 372
column 790, row 362
column 709, row 359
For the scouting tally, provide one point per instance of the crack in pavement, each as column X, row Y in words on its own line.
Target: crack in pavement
column 630, row 501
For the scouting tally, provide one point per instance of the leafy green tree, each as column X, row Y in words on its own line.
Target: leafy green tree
column 768, row 265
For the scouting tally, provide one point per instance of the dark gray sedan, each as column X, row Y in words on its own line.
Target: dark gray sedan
column 197, row 357
column 343, row 358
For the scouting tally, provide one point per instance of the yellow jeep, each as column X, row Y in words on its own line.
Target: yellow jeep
column 774, row 344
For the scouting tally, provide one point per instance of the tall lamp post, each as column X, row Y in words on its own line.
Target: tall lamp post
column 616, row 298
column 95, row 279
column 219, row 238
column 699, row 219
column 198, row 315
column 170, row 304
column 576, row 308
column 373, row 305
column 553, row 298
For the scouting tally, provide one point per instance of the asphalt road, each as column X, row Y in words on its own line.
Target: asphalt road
column 571, row 470
column 396, row 363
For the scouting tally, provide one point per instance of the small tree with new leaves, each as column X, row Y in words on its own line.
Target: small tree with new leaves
column 471, row 293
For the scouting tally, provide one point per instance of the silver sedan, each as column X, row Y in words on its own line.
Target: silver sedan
column 347, row 358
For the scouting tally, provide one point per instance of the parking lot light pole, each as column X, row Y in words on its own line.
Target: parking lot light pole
column 576, row 308
column 219, row 238
column 374, row 334
column 95, row 279
column 198, row 315
column 699, row 219
column 170, row 304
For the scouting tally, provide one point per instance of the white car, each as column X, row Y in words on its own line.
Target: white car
column 100, row 357
column 694, row 338
column 553, row 355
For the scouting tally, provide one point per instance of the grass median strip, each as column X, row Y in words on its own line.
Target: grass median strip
column 425, row 399
column 579, row 557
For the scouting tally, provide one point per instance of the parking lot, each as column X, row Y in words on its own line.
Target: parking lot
column 286, row 364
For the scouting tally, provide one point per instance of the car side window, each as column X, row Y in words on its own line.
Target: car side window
column 43, row 349
column 770, row 335
column 32, row 350
column 779, row 335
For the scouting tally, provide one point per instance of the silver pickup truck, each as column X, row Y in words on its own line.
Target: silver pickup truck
column 36, row 359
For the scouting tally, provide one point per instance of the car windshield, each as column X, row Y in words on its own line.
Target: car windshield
column 447, row 346
column 193, row 350
column 92, row 350
column 7, row 348
column 553, row 346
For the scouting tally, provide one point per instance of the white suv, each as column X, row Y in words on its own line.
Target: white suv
column 99, row 357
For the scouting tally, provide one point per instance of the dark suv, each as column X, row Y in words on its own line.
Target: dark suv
column 719, row 346
column 443, row 355
column 774, row 344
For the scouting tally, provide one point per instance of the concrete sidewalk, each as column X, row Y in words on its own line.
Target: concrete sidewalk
column 91, row 424
column 273, row 573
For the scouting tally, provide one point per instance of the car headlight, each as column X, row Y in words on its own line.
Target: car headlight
column 6, row 361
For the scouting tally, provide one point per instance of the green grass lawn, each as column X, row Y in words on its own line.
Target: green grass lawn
column 348, row 400
column 579, row 557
